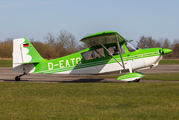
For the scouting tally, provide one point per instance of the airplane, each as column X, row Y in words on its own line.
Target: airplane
column 108, row 52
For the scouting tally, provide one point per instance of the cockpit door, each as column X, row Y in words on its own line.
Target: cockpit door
column 135, row 57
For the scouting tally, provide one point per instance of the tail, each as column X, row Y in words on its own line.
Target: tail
column 24, row 56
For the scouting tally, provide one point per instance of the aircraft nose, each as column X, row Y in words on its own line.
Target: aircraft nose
column 166, row 51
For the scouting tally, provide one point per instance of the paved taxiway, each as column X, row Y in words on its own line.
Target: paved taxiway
column 6, row 75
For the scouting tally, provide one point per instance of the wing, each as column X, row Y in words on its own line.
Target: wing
column 107, row 37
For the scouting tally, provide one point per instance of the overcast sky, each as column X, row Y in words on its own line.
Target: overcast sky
column 130, row 18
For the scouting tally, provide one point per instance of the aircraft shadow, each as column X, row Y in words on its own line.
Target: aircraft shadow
column 82, row 81
column 14, row 80
column 72, row 81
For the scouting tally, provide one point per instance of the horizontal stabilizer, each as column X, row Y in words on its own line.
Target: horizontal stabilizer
column 131, row 76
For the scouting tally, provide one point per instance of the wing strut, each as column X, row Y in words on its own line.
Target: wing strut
column 119, row 49
column 110, row 53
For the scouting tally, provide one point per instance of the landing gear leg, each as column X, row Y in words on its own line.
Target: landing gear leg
column 17, row 78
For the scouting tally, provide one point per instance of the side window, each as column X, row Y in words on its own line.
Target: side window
column 93, row 54
column 115, row 51
column 131, row 47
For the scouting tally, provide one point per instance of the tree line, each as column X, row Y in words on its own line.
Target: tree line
column 65, row 43
column 53, row 46
column 149, row 42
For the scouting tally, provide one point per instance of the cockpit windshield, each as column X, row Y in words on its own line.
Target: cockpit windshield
column 131, row 47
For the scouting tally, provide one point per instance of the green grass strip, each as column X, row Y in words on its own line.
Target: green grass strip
column 5, row 63
column 155, row 76
column 162, row 76
column 169, row 62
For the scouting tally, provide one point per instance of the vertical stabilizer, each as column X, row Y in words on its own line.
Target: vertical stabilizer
column 24, row 55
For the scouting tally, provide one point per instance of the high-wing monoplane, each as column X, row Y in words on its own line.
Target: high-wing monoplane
column 107, row 52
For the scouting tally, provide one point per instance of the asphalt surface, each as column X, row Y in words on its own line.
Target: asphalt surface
column 6, row 75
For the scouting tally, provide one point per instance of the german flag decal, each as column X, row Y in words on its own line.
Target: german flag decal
column 26, row 45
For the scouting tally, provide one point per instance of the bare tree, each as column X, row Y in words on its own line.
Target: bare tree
column 159, row 42
column 72, row 44
column 150, row 42
column 65, row 43
column 82, row 46
column 146, row 42
column 142, row 42
column 175, row 48
column 166, row 43
column 31, row 40
column 6, row 48
column 45, row 50
column 49, row 38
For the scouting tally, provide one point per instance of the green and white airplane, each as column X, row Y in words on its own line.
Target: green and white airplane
column 108, row 52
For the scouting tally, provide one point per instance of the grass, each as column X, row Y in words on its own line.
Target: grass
column 5, row 63
column 134, row 101
column 153, row 76
column 162, row 76
column 169, row 62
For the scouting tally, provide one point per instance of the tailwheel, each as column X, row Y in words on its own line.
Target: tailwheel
column 17, row 78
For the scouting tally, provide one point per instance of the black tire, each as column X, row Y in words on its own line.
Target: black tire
column 138, row 80
column 17, row 78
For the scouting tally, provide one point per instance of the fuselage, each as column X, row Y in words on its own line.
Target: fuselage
column 77, row 64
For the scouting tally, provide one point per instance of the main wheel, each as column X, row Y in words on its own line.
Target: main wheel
column 17, row 78
column 137, row 80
